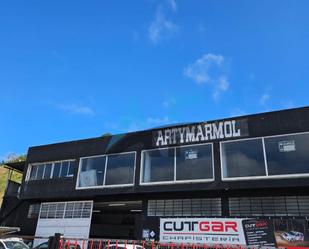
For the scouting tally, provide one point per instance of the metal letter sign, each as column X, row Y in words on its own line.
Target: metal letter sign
column 201, row 132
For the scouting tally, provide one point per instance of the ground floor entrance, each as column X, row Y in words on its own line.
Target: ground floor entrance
column 119, row 220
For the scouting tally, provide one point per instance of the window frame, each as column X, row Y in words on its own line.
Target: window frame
column 30, row 166
column 105, row 167
column 267, row 176
column 175, row 181
column 64, row 211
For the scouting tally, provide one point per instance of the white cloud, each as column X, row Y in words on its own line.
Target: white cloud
column 173, row 5
column 264, row 98
column 222, row 86
column 169, row 102
column 158, row 121
column 199, row 70
column 77, row 109
column 161, row 28
column 209, row 69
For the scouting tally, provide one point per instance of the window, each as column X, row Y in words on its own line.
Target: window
column 34, row 210
column 158, row 165
column 269, row 206
column 185, row 207
column 66, row 210
column 243, row 158
column 178, row 164
column 34, row 169
column 15, row 244
column 287, row 154
column 64, row 169
column 69, row 210
column 50, row 170
column 60, row 210
column 107, row 170
column 266, row 157
column 40, row 172
column 57, row 168
column 92, row 171
column 120, row 169
column 72, row 168
column 194, row 162
column 44, row 210
column 52, row 211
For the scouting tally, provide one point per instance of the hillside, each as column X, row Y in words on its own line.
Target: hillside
column 3, row 177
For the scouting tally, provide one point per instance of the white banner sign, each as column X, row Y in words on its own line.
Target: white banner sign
column 202, row 230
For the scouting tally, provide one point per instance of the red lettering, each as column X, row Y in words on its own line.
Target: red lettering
column 217, row 226
column 204, row 226
column 231, row 225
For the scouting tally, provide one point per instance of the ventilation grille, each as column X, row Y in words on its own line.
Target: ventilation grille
column 185, row 207
column 270, row 206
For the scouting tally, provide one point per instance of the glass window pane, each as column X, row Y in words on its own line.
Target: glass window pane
column 92, row 171
column 34, row 169
column 287, row 154
column 78, row 208
column 194, row 162
column 243, row 158
column 40, row 172
column 72, row 167
column 52, row 211
column 64, row 169
column 60, row 210
column 48, row 167
column 69, row 210
column 120, row 169
column 44, row 211
column 158, row 165
column 57, row 167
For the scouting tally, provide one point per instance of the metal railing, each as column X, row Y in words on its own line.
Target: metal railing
column 59, row 242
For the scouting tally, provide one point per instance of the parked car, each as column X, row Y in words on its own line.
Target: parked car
column 298, row 236
column 292, row 236
column 13, row 243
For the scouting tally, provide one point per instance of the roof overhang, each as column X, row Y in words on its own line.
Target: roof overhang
column 17, row 166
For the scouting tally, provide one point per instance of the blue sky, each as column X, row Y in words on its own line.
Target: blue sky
column 78, row 69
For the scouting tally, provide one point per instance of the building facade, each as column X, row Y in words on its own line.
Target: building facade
column 135, row 185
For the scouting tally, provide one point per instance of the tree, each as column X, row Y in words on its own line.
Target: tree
column 106, row 134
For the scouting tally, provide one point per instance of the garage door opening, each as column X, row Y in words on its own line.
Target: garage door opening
column 116, row 220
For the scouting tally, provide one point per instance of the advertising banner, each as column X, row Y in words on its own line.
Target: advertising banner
column 237, row 231
column 202, row 230
column 291, row 232
column 259, row 232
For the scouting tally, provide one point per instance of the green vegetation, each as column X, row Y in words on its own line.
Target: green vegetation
column 16, row 177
